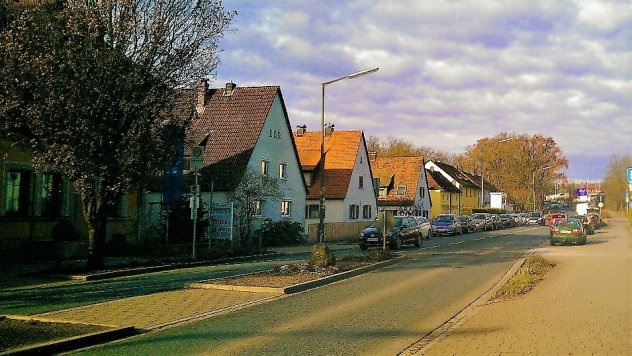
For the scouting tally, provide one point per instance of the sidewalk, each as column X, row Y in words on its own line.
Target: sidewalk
column 582, row 307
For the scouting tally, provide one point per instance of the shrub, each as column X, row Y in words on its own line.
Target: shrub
column 280, row 233
column 322, row 256
column 65, row 231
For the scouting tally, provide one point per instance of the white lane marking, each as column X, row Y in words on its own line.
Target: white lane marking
column 429, row 247
column 480, row 238
column 456, row 243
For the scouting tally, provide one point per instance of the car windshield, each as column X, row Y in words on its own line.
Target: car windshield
column 445, row 218
column 463, row 218
column 534, row 215
column 399, row 222
column 478, row 216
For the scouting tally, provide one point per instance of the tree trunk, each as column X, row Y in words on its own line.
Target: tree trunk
column 97, row 228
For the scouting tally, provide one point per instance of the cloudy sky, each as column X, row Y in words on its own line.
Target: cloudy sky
column 450, row 72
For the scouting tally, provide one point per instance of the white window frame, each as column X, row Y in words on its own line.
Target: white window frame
column 354, row 212
column 365, row 209
column 397, row 193
column 282, row 170
column 265, row 167
column 286, row 208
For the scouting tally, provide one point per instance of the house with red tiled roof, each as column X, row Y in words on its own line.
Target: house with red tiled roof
column 445, row 196
column 348, row 185
column 403, row 185
column 470, row 190
column 247, row 128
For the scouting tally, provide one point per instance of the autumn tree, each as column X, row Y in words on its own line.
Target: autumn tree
column 251, row 193
column 517, row 164
column 393, row 146
column 615, row 183
column 91, row 87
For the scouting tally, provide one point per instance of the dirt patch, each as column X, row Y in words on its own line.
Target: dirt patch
column 20, row 333
column 531, row 273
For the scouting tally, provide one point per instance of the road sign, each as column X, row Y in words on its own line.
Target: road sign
column 197, row 157
column 629, row 175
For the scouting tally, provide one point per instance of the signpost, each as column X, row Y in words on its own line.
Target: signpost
column 197, row 158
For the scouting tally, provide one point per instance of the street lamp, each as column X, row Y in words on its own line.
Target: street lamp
column 321, row 204
column 540, row 170
column 483, row 169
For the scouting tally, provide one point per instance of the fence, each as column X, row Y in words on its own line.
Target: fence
column 339, row 231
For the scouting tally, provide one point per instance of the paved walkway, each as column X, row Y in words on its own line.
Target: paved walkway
column 583, row 307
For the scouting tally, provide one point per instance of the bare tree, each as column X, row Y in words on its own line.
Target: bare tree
column 251, row 193
column 92, row 86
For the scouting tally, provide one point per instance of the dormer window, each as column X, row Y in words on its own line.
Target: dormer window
column 401, row 190
column 383, row 192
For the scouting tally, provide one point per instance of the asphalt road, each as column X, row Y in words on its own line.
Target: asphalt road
column 381, row 312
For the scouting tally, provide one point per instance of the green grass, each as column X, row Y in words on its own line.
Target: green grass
column 531, row 273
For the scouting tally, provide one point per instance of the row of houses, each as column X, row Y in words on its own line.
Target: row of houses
column 248, row 128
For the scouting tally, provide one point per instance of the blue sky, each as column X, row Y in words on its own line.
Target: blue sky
column 450, row 73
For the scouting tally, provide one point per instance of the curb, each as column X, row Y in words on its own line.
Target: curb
column 168, row 267
column 422, row 345
column 297, row 287
column 73, row 343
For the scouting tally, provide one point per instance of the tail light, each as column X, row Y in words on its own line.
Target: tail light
column 577, row 232
column 555, row 231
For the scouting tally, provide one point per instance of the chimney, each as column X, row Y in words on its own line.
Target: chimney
column 372, row 156
column 329, row 129
column 229, row 88
column 202, row 93
column 300, row 130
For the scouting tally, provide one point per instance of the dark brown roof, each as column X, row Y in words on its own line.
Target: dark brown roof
column 456, row 174
column 341, row 149
column 436, row 181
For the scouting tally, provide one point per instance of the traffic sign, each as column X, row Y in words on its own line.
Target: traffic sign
column 197, row 157
column 629, row 175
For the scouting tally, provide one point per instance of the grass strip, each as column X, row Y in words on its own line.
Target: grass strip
column 531, row 273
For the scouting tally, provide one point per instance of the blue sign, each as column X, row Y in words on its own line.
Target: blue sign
column 581, row 192
column 629, row 174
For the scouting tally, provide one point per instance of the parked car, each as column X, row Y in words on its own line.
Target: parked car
column 467, row 224
column 588, row 227
column 424, row 227
column 555, row 216
column 404, row 231
column 566, row 230
column 595, row 221
column 446, row 224
column 496, row 223
column 506, row 221
column 535, row 218
column 483, row 221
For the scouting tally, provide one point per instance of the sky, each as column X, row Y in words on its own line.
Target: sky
column 450, row 72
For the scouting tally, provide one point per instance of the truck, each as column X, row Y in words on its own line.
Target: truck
column 581, row 208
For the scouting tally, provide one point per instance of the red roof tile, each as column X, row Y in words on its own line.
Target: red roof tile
column 405, row 171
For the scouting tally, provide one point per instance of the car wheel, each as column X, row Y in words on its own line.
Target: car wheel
column 429, row 234
column 418, row 240
column 552, row 243
column 363, row 247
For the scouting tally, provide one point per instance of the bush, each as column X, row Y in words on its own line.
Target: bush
column 280, row 233
column 489, row 210
column 372, row 256
column 65, row 231
column 322, row 256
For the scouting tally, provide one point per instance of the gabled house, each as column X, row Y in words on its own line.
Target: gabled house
column 470, row 191
column 403, row 186
column 488, row 189
column 445, row 196
column 244, row 128
column 349, row 191
column 36, row 207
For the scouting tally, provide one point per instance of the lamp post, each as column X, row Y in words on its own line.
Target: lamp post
column 537, row 170
column 321, row 203
column 482, row 205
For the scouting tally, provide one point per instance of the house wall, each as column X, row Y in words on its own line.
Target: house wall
column 275, row 145
column 469, row 197
column 422, row 194
column 355, row 194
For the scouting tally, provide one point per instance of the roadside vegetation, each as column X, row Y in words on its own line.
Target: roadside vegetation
column 531, row 273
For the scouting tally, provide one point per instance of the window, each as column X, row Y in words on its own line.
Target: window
column 354, row 211
column 286, row 208
column 264, row 167
column 361, row 182
column 422, row 192
column 258, row 207
column 311, row 211
column 283, row 170
column 17, row 187
column 401, row 190
column 383, row 192
column 121, row 207
column 366, row 212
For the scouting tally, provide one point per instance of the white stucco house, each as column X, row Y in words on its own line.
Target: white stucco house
column 244, row 128
column 403, row 185
column 349, row 191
